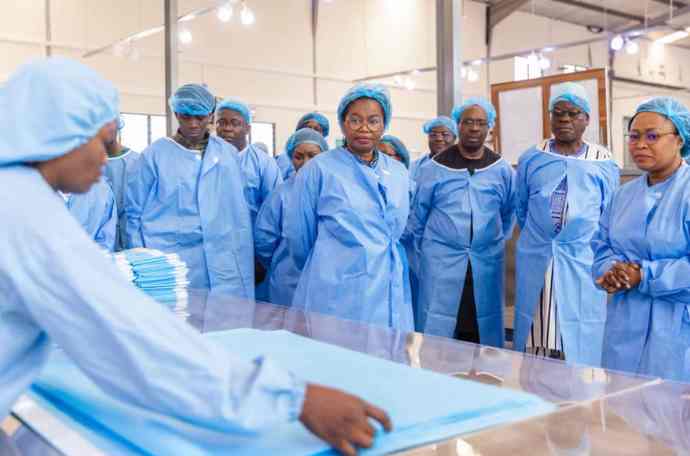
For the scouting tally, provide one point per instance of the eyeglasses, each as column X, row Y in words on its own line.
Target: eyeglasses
column 441, row 135
column 474, row 123
column 650, row 137
column 235, row 123
column 373, row 123
column 560, row 114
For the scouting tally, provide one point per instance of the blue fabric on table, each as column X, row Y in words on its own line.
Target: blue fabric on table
column 424, row 406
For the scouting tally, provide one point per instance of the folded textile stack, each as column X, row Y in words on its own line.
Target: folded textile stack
column 162, row 276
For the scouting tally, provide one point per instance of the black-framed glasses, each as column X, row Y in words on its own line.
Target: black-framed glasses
column 441, row 135
column 474, row 123
column 650, row 137
column 563, row 113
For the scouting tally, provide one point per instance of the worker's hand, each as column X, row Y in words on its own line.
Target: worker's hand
column 611, row 281
column 342, row 420
column 629, row 274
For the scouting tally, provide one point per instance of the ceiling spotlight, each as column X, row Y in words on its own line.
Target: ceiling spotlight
column 595, row 28
column 632, row 48
column 185, row 36
column 617, row 43
column 247, row 15
column 410, row 84
column 416, row 73
column 477, row 62
column 224, row 13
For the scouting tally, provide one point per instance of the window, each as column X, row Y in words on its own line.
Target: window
column 140, row 130
column 264, row 132
column 526, row 68
column 572, row 68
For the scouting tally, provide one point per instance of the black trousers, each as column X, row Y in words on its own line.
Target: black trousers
column 466, row 327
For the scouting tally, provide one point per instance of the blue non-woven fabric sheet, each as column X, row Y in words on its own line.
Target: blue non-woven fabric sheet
column 424, row 406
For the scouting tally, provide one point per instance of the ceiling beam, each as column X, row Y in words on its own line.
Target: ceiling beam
column 676, row 5
column 601, row 9
column 502, row 9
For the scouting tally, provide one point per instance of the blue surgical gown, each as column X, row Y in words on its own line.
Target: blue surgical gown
column 96, row 211
column 58, row 288
column 343, row 230
column 261, row 175
column 581, row 306
column 115, row 174
column 458, row 217
column 285, row 165
column 648, row 327
column 416, row 165
column 271, row 248
column 179, row 202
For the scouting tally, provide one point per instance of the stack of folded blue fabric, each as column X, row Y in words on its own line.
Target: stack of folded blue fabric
column 162, row 276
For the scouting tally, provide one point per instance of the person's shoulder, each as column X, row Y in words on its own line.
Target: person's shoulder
column 30, row 195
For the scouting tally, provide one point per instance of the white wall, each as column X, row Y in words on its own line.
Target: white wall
column 270, row 64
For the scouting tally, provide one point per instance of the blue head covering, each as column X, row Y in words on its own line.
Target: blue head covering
column 572, row 93
column 50, row 107
column 674, row 111
column 319, row 118
column 235, row 104
column 192, row 100
column 376, row 92
column 442, row 121
column 305, row 136
column 399, row 147
column 476, row 101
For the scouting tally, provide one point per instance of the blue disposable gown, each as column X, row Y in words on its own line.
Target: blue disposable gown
column 581, row 305
column 271, row 246
column 343, row 230
column 285, row 165
column 58, row 288
column 261, row 175
column 648, row 327
column 115, row 174
column 96, row 211
column 416, row 165
column 457, row 217
column 178, row 202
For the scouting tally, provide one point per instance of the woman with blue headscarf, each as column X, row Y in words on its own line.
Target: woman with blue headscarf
column 394, row 147
column 442, row 132
column 348, row 210
column 462, row 215
column 314, row 120
column 641, row 249
column 269, row 241
column 185, row 195
column 563, row 186
column 59, row 289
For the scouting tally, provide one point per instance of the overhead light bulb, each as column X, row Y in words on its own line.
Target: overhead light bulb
column 247, row 16
column 673, row 37
column 224, row 13
column 632, row 48
column 617, row 43
column 463, row 73
column 544, row 63
column 185, row 36
column 472, row 76
column 416, row 73
column 410, row 84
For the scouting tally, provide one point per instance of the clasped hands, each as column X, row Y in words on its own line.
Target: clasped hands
column 622, row 276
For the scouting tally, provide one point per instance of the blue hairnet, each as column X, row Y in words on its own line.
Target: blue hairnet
column 50, row 107
column 192, row 100
column 399, row 147
column 305, row 136
column 441, row 121
column 674, row 111
column 234, row 104
column 572, row 93
column 318, row 117
column 476, row 101
column 374, row 91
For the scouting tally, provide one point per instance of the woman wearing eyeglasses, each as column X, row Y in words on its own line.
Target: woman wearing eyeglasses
column 642, row 249
column 462, row 213
column 349, row 207
column 563, row 187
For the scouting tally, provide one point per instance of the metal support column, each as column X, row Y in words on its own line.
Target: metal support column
column 49, row 29
column 448, row 55
column 170, row 62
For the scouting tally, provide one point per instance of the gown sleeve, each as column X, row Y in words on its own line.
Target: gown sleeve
column 140, row 182
column 301, row 221
column 268, row 227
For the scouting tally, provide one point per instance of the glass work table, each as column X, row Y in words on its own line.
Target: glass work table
column 599, row 411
